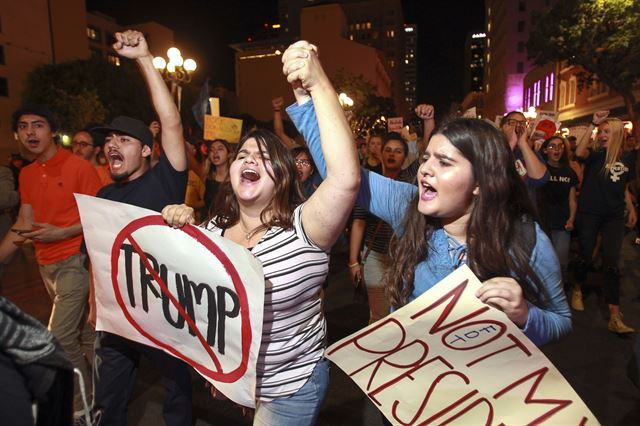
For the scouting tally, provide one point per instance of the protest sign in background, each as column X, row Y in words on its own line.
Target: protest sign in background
column 226, row 128
column 448, row 358
column 186, row 291
column 394, row 124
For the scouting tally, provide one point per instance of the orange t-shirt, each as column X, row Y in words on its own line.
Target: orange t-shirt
column 49, row 187
column 104, row 174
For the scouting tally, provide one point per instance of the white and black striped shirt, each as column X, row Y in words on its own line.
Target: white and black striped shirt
column 294, row 328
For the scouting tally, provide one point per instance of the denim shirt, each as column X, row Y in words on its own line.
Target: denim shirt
column 389, row 200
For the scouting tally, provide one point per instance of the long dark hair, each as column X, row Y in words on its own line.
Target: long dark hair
column 286, row 195
column 495, row 243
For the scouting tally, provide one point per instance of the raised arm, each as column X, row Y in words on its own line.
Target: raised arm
column 582, row 147
column 278, row 125
column 426, row 113
column 132, row 44
column 328, row 209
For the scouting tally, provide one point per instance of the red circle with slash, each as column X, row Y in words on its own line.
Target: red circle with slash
column 127, row 234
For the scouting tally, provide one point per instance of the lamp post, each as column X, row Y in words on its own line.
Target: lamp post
column 345, row 101
column 177, row 71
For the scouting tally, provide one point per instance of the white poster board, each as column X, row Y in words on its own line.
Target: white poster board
column 186, row 291
column 447, row 358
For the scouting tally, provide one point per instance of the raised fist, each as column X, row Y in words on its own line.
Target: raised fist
column 425, row 111
column 599, row 117
column 131, row 44
column 277, row 103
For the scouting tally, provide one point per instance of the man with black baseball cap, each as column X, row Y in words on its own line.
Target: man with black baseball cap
column 49, row 217
column 128, row 146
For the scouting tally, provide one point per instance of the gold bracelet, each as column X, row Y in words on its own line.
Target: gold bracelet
column 353, row 265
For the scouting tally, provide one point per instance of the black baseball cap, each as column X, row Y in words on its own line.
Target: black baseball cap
column 128, row 126
column 40, row 110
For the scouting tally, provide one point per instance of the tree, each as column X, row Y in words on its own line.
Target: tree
column 600, row 36
column 367, row 107
column 89, row 91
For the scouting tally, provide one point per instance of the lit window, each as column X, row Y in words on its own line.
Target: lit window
column 358, row 26
column 368, row 25
column 551, row 86
column 113, row 60
column 573, row 83
column 93, row 33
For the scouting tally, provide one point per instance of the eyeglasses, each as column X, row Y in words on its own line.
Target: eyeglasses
column 81, row 144
column 555, row 147
column 305, row 163
column 512, row 122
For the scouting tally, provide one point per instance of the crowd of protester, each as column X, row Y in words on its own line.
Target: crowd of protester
column 530, row 220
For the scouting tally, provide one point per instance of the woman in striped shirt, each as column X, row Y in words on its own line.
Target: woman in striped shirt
column 264, row 212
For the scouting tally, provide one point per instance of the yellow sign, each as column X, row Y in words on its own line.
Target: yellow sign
column 225, row 128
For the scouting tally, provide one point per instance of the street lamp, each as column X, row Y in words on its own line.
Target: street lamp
column 345, row 101
column 177, row 71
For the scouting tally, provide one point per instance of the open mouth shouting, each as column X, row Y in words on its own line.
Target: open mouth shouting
column 115, row 160
column 427, row 191
column 33, row 143
column 249, row 176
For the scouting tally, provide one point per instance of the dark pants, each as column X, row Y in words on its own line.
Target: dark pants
column 115, row 367
column 15, row 398
column 612, row 228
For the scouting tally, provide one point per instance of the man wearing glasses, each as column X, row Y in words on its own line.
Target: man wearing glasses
column 529, row 164
column 84, row 145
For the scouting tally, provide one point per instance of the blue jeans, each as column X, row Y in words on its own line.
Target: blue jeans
column 301, row 408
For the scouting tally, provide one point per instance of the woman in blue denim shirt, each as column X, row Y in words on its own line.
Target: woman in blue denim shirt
column 466, row 209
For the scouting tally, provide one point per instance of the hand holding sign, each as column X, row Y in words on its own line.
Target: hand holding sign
column 178, row 215
column 179, row 290
column 447, row 358
column 505, row 293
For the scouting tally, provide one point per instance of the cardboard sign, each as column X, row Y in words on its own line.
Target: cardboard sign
column 214, row 104
column 447, row 358
column 186, row 291
column 470, row 113
column 229, row 129
column 394, row 124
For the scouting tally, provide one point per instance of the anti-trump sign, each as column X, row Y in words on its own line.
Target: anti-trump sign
column 185, row 291
column 447, row 358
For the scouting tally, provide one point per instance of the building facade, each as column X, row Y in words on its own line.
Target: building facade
column 57, row 31
column 506, row 62
column 258, row 68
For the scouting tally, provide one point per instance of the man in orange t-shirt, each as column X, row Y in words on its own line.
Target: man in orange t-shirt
column 85, row 145
column 49, row 217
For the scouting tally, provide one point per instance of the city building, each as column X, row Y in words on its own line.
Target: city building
column 410, row 70
column 555, row 88
column 375, row 23
column 259, row 63
column 506, row 62
column 56, row 32
column 474, row 61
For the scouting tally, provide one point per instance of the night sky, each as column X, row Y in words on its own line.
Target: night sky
column 205, row 28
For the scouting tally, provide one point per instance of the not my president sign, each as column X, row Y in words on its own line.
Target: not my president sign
column 186, row 291
column 447, row 358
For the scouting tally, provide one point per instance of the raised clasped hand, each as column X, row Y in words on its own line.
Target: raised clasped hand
column 302, row 67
